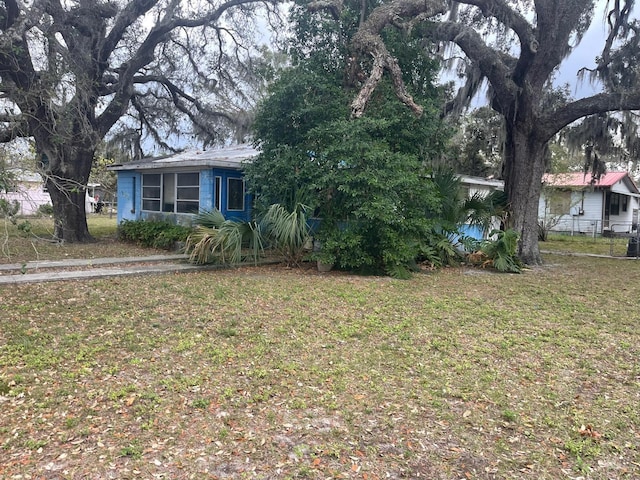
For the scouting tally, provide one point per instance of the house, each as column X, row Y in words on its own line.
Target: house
column 174, row 188
column 479, row 186
column 573, row 203
column 28, row 191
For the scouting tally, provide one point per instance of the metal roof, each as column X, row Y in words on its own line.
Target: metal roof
column 228, row 157
column 581, row 180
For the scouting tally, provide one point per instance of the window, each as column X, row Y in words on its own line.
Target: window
column 217, row 199
column 235, row 194
column 625, row 203
column 559, row 203
column 151, row 192
column 171, row 192
column 614, row 205
column 187, row 192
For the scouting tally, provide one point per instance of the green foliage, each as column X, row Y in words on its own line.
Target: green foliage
column 217, row 240
column 225, row 243
column 476, row 148
column 46, row 209
column 25, row 228
column 502, row 251
column 7, row 176
column 9, row 209
column 154, row 234
column 364, row 178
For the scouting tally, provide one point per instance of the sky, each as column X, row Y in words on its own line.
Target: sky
column 584, row 55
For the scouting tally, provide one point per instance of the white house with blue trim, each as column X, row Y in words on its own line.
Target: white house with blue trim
column 176, row 187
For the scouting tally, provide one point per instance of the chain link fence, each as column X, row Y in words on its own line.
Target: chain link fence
column 621, row 239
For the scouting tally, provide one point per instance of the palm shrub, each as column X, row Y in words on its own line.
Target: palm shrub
column 502, row 251
column 231, row 242
column 217, row 240
column 288, row 231
column 480, row 209
column 225, row 243
column 209, row 218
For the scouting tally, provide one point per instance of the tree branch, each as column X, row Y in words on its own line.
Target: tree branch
column 368, row 40
column 559, row 118
column 492, row 64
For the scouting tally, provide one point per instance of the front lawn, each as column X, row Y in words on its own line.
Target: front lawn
column 277, row 373
column 30, row 240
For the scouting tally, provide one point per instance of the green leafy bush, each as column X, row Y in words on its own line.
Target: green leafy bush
column 153, row 233
column 46, row 209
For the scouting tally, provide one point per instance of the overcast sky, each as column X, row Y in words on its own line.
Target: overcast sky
column 584, row 55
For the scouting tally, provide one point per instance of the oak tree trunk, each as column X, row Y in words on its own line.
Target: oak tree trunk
column 524, row 166
column 67, row 185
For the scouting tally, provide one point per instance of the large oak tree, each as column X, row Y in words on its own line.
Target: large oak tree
column 517, row 47
column 73, row 72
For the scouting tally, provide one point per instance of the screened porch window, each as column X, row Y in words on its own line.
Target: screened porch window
column 171, row 192
column 187, row 192
column 151, row 192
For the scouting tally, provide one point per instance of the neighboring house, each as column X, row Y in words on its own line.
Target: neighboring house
column 479, row 186
column 176, row 187
column 28, row 191
column 571, row 202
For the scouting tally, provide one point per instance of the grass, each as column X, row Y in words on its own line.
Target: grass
column 282, row 373
column 16, row 246
column 612, row 246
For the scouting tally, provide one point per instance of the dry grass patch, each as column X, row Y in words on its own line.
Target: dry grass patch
column 276, row 373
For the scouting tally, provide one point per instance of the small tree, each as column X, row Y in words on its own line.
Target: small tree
column 365, row 179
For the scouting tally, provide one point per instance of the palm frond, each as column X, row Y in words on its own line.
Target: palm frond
column 287, row 230
column 209, row 218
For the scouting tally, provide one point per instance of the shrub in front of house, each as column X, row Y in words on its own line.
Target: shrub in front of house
column 45, row 210
column 155, row 234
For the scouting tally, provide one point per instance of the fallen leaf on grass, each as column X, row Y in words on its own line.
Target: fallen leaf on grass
column 588, row 431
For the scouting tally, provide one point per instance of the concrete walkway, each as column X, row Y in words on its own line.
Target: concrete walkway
column 81, row 269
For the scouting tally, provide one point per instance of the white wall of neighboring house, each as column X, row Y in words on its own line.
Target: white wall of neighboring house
column 29, row 194
column 585, row 212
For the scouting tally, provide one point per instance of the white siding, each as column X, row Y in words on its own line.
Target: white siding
column 30, row 196
column 584, row 215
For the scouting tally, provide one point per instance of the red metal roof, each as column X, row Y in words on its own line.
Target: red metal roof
column 579, row 179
